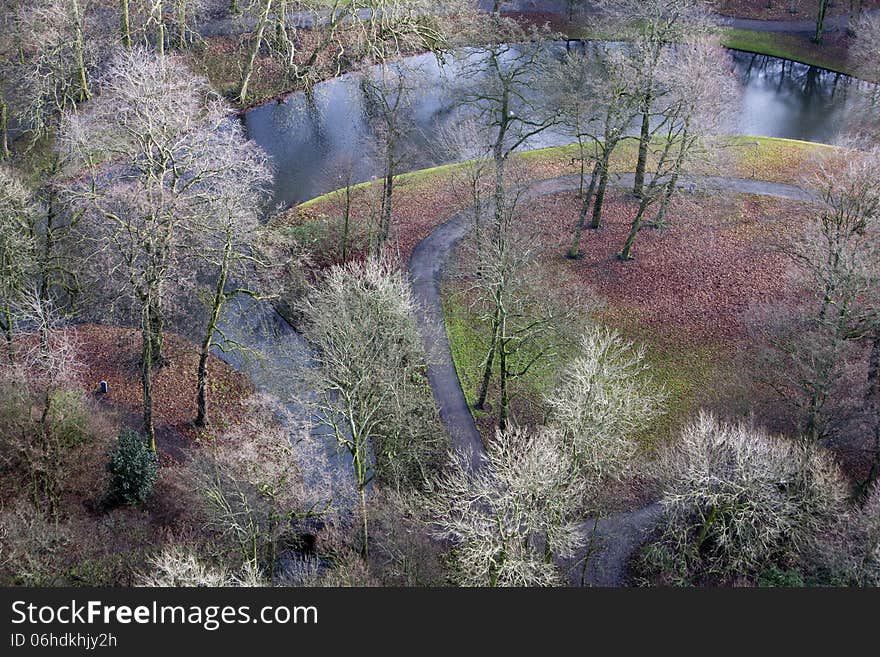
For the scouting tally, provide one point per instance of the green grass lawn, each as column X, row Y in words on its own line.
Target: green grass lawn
column 796, row 47
column 687, row 372
column 832, row 54
column 684, row 372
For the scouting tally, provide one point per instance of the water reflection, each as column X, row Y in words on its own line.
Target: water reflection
column 787, row 99
column 311, row 139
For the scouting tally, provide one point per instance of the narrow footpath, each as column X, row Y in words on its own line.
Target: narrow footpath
column 613, row 539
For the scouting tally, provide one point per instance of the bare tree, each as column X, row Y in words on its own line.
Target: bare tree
column 856, row 12
column 596, row 92
column 18, row 258
column 42, row 422
column 373, row 398
column 848, row 552
column 651, row 27
column 502, row 77
column 738, row 500
column 604, row 397
column 697, row 91
column 149, row 143
column 323, row 55
column 33, row 545
column 835, row 260
column 225, row 234
column 512, row 518
column 9, row 60
column 252, row 484
column 867, row 539
column 56, row 60
column 504, row 280
column 389, row 93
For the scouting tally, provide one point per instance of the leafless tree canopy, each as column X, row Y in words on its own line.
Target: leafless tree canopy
column 737, row 500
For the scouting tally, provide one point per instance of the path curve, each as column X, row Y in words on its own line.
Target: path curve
column 616, row 536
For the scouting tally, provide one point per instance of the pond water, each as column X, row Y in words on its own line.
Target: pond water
column 312, row 144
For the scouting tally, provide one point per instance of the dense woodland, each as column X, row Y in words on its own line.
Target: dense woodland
column 201, row 387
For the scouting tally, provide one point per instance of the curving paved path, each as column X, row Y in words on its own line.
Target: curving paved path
column 614, row 538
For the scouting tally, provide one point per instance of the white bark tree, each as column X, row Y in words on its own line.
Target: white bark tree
column 604, row 397
column 162, row 158
column 510, row 520
column 738, row 500
column 373, row 397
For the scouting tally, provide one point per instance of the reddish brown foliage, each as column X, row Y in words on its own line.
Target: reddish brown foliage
column 112, row 354
column 781, row 9
column 695, row 279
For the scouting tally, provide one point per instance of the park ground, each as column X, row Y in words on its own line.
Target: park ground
column 97, row 546
column 220, row 58
column 689, row 297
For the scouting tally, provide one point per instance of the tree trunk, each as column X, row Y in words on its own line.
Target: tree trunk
column 582, row 173
column 387, row 189
column 660, row 219
column 147, row 375
column 125, row 23
column 255, row 50
column 181, row 24
column 4, row 129
column 346, row 220
column 160, row 27
column 7, row 332
column 820, row 20
column 499, row 160
column 490, row 359
column 596, row 223
column 208, row 339
column 48, row 254
column 359, row 458
column 574, row 251
column 634, row 230
column 498, row 195
column 504, row 408
column 644, row 141
column 157, row 330
column 78, row 53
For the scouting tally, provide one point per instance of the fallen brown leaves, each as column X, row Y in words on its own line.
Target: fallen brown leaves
column 112, row 354
column 782, row 9
column 694, row 280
